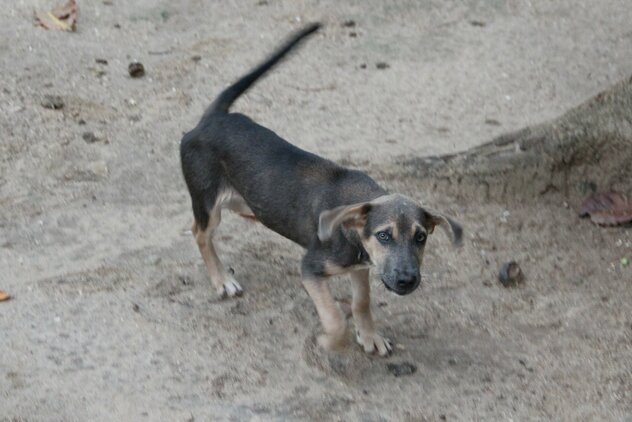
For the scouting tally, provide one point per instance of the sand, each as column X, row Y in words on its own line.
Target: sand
column 113, row 317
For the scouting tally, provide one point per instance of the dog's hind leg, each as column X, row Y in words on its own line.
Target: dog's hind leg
column 223, row 282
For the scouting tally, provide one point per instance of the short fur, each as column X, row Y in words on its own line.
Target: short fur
column 340, row 216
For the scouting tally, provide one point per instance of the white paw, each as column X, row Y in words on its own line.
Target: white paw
column 373, row 342
column 230, row 288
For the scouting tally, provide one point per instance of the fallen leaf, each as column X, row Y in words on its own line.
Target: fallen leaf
column 4, row 296
column 607, row 209
column 62, row 17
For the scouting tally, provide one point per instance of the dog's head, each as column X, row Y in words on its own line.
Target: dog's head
column 393, row 230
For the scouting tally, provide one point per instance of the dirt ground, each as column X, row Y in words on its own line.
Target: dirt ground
column 112, row 316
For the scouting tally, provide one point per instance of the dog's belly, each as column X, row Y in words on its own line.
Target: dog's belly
column 231, row 199
column 276, row 218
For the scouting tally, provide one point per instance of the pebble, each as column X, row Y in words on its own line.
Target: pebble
column 401, row 369
column 53, row 102
column 510, row 274
column 504, row 217
column 90, row 137
column 136, row 70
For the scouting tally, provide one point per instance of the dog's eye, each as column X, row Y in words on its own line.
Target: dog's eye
column 383, row 236
column 420, row 237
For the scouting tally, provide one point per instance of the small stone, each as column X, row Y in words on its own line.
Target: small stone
column 98, row 169
column 363, row 66
column 504, row 217
column 353, row 34
column 99, row 73
column 382, row 65
column 90, row 137
column 101, row 61
column 349, row 23
column 510, row 274
column 625, row 262
column 135, row 307
column 196, row 58
column 478, row 23
column 401, row 369
column 53, row 102
column 136, row 70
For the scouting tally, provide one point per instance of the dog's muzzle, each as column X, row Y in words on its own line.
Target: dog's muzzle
column 403, row 285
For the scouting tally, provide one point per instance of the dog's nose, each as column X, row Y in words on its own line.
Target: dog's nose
column 406, row 282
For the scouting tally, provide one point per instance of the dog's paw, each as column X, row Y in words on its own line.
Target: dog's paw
column 230, row 288
column 374, row 343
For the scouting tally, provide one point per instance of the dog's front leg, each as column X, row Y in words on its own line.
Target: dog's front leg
column 331, row 317
column 366, row 334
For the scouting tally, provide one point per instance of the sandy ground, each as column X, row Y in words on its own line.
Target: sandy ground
column 113, row 317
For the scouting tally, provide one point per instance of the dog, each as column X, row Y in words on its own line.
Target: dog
column 346, row 222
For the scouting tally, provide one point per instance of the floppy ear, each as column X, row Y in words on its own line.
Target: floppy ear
column 451, row 227
column 348, row 215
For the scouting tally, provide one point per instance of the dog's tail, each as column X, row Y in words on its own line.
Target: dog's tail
column 230, row 94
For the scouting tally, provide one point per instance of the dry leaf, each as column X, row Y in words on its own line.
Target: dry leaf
column 62, row 17
column 607, row 209
column 4, row 296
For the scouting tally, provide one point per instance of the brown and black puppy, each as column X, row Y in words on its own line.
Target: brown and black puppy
column 346, row 222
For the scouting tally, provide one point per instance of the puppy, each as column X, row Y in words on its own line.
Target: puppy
column 346, row 222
